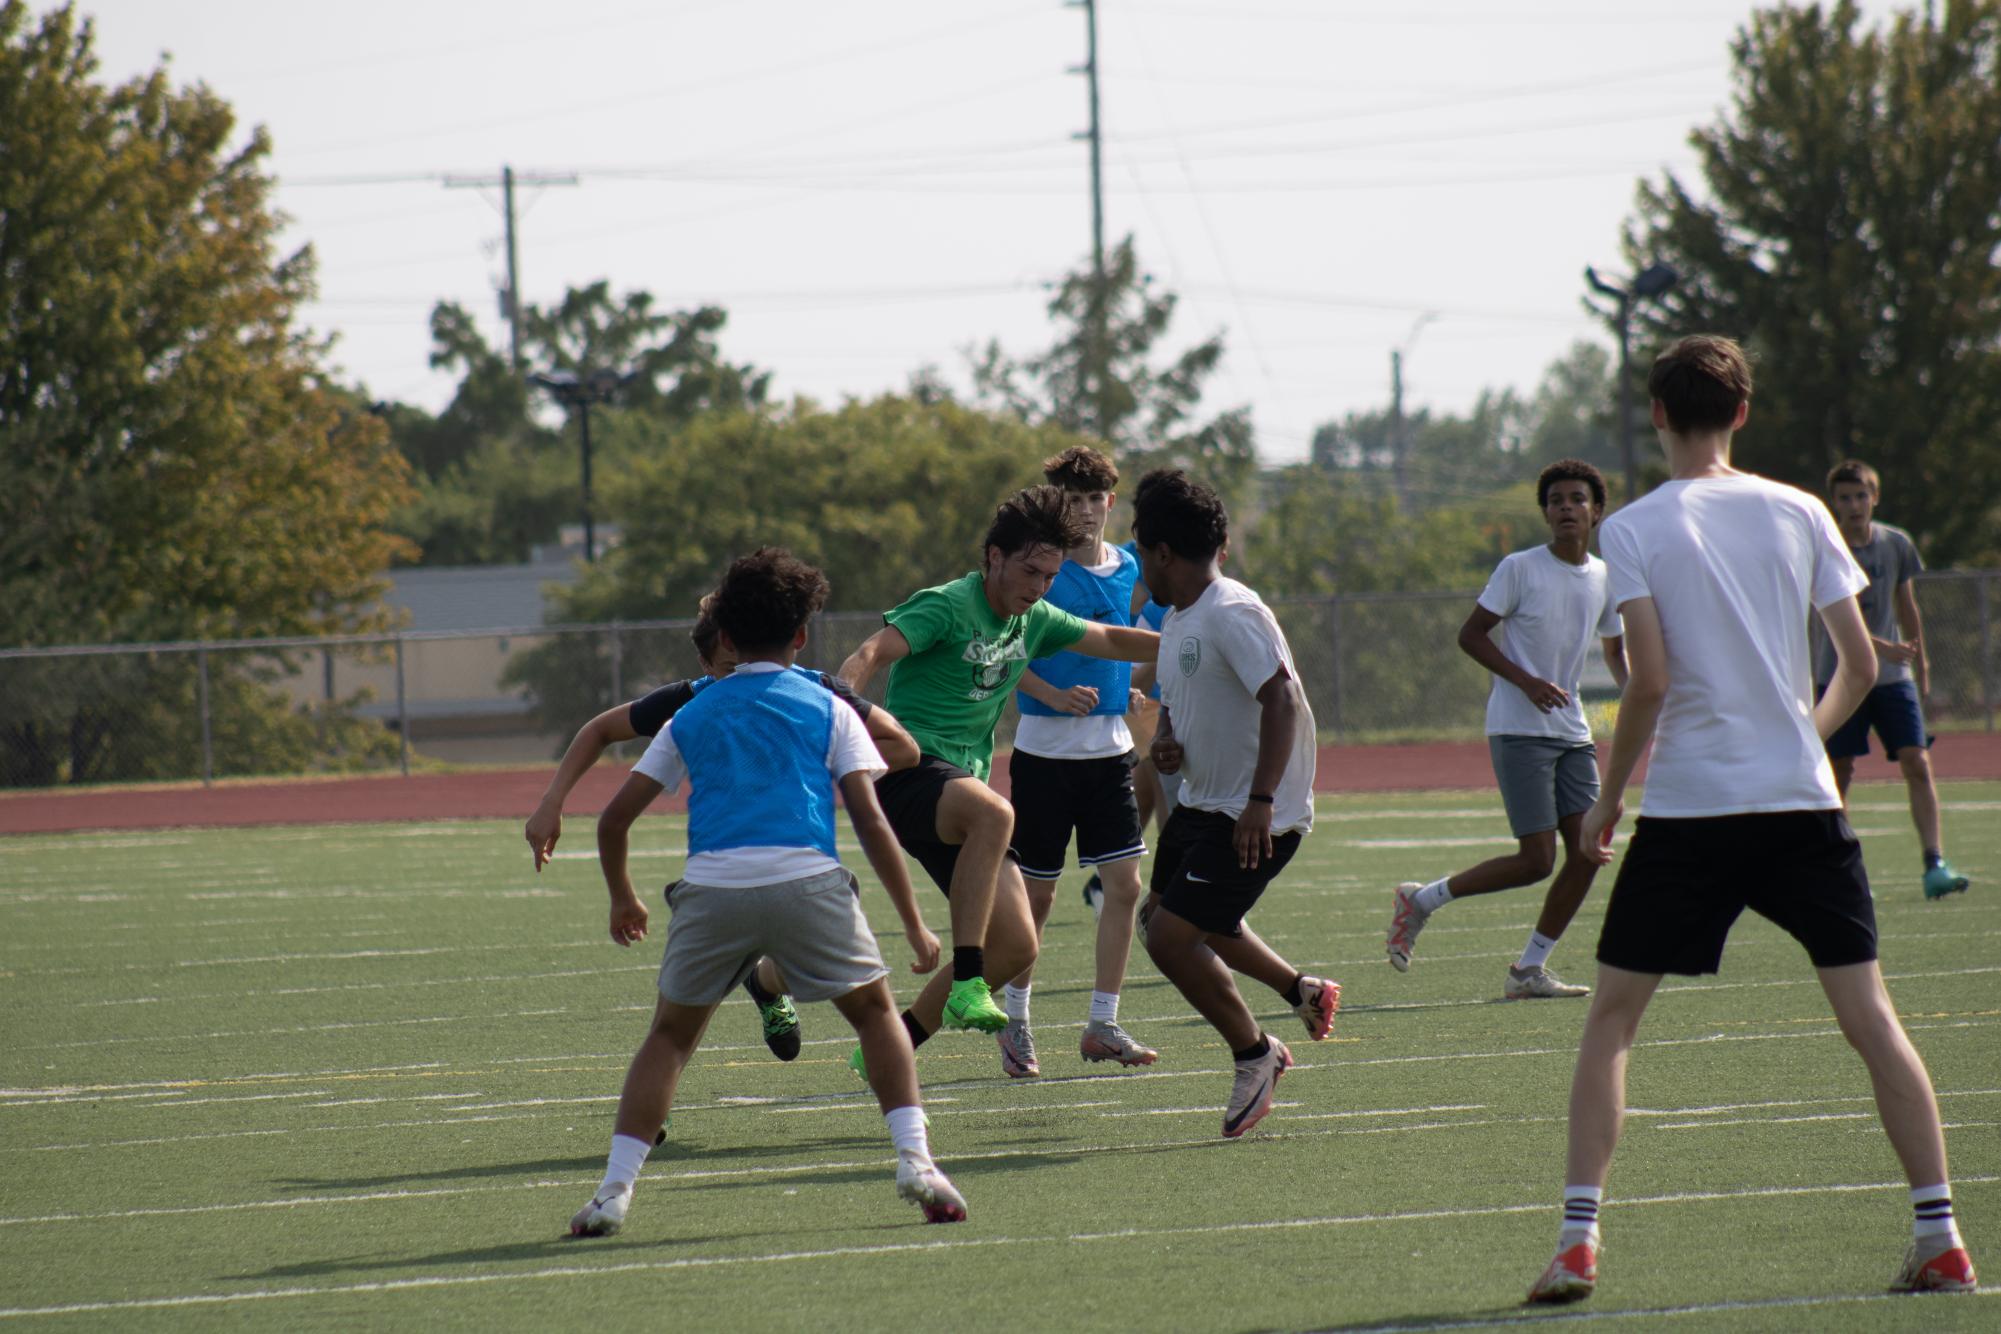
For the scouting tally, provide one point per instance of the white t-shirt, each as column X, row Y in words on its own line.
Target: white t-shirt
column 1214, row 658
column 850, row 749
column 1551, row 612
column 1734, row 565
column 1092, row 736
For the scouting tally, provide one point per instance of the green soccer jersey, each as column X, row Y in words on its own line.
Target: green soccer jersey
column 964, row 661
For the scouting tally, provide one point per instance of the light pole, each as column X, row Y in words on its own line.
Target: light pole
column 1399, row 436
column 1652, row 281
column 577, row 393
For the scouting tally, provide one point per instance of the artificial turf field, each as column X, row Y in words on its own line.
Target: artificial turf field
column 360, row 1076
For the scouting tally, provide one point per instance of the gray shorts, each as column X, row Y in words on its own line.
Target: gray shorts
column 813, row 929
column 1544, row 779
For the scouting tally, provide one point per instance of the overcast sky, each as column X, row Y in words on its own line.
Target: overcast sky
column 872, row 186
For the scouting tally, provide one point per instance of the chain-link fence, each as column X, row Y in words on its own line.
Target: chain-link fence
column 1376, row 667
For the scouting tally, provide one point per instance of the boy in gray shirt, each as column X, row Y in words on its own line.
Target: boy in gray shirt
column 1903, row 673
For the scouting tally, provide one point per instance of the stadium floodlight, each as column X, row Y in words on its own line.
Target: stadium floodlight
column 1651, row 281
column 576, row 393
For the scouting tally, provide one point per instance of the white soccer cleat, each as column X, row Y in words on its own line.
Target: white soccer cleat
column 1406, row 920
column 932, row 1191
column 604, row 1215
column 1539, row 983
column 1250, row 1096
column 1109, row 1042
column 1319, row 999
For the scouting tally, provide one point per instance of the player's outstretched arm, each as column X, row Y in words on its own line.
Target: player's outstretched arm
column 877, row 652
column 1639, row 709
column 879, row 843
column 545, row 826
column 1476, row 643
column 628, row 914
column 1077, row 700
column 899, row 748
column 1855, row 665
column 1121, row 643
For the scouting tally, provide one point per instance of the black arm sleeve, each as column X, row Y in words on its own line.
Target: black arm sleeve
column 650, row 714
column 846, row 693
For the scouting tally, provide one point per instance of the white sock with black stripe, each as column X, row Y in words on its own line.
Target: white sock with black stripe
column 1932, row 1222
column 1580, row 1216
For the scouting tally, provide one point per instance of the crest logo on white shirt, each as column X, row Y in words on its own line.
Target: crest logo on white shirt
column 1191, row 655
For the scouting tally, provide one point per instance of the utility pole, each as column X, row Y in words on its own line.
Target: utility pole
column 1098, row 363
column 1651, row 281
column 1399, row 433
column 510, row 302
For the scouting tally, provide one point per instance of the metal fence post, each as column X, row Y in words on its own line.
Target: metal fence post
column 1986, row 651
column 402, row 711
column 201, row 697
column 1334, row 643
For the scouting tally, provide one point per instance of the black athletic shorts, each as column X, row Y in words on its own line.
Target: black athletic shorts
column 909, row 799
column 1195, row 870
column 1053, row 797
column 1683, row 882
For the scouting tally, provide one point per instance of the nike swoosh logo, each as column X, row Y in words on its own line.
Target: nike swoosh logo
column 1193, row 879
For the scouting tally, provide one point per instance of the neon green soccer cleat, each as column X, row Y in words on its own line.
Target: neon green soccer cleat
column 781, row 1027
column 971, row 1005
column 858, row 1065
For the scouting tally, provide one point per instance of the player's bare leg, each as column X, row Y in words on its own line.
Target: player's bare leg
column 642, row 1110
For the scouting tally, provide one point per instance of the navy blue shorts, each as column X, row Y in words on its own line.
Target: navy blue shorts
column 1892, row 710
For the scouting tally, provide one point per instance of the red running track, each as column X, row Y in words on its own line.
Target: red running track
column 511, row 794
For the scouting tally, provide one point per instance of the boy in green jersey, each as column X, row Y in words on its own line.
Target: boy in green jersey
column 954, row 654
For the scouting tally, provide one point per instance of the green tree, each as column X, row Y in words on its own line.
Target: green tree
column 1108, row 386
column 886, row 496
column 173, row 461
column 1847, row 231
column 493, row 482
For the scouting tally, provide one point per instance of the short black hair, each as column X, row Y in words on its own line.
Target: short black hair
column 1856, row 473
column 1173, row 508
column 1570, row 470
column 766, row 597
column 1037, row 516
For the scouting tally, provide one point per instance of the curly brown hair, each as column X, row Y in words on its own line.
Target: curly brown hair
column 704, row 633
column 1080, row 468
column 1570, row 470
column 766, row 598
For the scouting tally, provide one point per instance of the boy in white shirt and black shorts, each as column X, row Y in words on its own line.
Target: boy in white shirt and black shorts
column 1715, row 573
column 1236, row 727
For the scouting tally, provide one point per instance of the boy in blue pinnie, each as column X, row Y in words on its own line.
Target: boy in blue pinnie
column 763, row 751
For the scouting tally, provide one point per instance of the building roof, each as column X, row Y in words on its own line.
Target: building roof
column 477, row 597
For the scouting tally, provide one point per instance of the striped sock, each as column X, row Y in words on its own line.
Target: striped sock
column 1580, row 1216
column 1931, row 1217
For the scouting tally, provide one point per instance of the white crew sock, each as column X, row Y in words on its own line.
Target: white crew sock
column 1536, row 954
column 1932, row 1221
column 621, row 1168
column 1580, row 1216
column 1433, row 896
column 907, row 1131
column 1104, row 1007
column 1014, row 1000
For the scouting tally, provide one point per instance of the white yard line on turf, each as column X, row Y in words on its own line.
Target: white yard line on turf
column 1646, row 1312
column 432, row 1281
